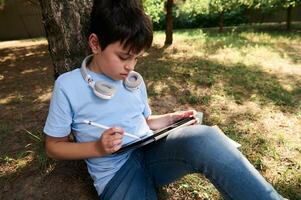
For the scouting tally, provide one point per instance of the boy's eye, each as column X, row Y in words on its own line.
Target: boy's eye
column 123, row 57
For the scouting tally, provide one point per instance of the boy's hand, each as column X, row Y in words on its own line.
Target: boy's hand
column 183, row 114
column 111, row 140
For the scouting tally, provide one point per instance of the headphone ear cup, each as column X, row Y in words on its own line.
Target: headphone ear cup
column 133, row 81
column 103, row 90
column 100, row 88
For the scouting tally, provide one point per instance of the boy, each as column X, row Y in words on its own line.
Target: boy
column 102, row 91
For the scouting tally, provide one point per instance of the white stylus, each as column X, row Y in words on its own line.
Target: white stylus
column 106, row 127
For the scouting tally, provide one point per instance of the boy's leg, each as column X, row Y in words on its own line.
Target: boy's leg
column 202, row 149
column 130, row 182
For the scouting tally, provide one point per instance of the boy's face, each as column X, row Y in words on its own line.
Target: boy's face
column 114, row 61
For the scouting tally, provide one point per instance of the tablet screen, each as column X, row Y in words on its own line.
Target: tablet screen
column 158, row 134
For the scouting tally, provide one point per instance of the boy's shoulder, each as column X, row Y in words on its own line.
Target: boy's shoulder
column 69, row 77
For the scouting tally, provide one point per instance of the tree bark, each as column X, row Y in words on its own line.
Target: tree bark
column 221, row 21
column 66, row 26
column 169, row 23
column 289, row 17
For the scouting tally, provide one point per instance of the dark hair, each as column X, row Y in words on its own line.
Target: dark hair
column 121, row 20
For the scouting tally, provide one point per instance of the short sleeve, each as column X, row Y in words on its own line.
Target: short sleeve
column 59, row 119
column 147, row 110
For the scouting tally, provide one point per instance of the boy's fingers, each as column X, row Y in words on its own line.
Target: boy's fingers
column 117, row 130
column 117, row 136
column 191, row 113
column 114, row 130
column 116, row 148
column 116, row 142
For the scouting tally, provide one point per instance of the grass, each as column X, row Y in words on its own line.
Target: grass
column 248, row 83
column 246, row 80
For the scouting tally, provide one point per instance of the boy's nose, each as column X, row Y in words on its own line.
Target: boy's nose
column 129, row 67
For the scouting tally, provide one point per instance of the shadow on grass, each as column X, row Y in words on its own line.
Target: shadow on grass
column 290, row 190
column 67, row 180
column 240, row 82
column 25, row 170
column 234, row 37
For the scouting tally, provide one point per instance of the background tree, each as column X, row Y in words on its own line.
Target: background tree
column 66, row 24
column 169, row 22
column 222, row 6
column 289, row 5
column 157, row 10
column 268, row 6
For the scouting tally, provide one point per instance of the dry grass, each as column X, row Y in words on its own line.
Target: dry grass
column 248, row 83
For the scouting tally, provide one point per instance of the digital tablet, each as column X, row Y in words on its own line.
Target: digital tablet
column 157, row 135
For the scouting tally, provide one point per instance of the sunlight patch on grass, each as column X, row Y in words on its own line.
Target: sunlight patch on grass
column 9, row 165
column 257, row 56
column 264, row 37
column 192, row 186
column 28, row 71
column 44, row 97
column 160, row 87
column 13, row 98
column 270, row 138
column 22, row 43
column 8, row 57
column 183, row 47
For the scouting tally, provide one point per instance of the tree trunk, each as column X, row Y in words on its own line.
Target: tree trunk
column 262, row 18
column 169, row 23
column 221, row 21
column 66, row 26
column 289, row 17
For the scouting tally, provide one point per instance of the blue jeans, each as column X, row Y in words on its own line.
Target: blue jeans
column 188, row 150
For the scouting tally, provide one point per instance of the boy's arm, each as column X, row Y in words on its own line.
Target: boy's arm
column 160, row 121
column 62, row 149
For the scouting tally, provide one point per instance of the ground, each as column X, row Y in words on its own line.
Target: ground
column 27, row 80
column 246, row 82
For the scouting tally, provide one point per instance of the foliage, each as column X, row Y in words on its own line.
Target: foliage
column 205, row 13
column 155, row 9
column 218, row 6
column 193, row 13
column 267, row 6
column 264, row 5
column 2, row 2
column 288, row 3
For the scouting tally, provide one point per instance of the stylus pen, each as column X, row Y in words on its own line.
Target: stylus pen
column 106, row 127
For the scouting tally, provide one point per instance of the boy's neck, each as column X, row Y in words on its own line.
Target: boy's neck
column 92, row 66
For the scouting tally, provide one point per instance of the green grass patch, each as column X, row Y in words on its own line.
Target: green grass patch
column 247, row 80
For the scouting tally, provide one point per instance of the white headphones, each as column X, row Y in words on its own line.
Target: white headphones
column 104, row 90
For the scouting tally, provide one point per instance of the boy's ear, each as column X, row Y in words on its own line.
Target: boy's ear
column 94, row 43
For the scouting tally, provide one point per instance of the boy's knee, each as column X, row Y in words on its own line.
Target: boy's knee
column 200, row 138
column 200, row 132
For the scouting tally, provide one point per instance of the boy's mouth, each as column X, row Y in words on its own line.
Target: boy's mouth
column 124, row 75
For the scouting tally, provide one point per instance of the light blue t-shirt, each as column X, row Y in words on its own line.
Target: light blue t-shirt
column 73, row 101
